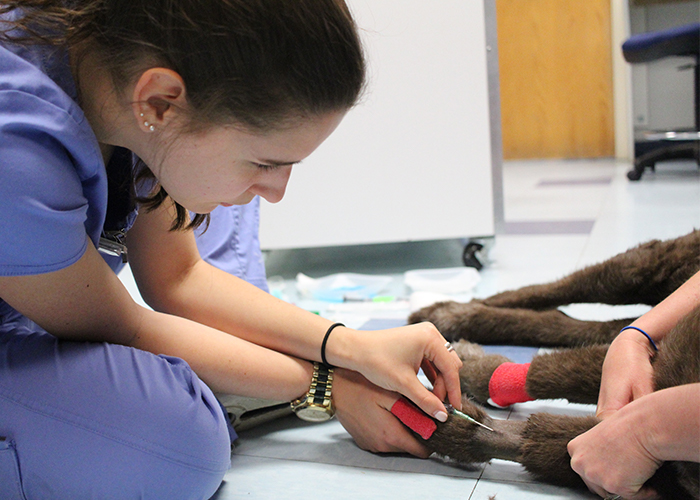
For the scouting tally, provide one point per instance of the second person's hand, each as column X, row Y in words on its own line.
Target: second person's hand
column 365, row 411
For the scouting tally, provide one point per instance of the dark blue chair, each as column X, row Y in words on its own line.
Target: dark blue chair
column 647, row 47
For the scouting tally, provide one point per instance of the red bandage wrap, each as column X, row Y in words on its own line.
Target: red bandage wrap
column 413, row 418
column 507, row 384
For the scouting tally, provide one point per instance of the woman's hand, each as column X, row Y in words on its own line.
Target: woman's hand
column 614, row 456
column 610, row 458
column 364, row 410
column 627, row 373
column 619, row 454
column 391, row 359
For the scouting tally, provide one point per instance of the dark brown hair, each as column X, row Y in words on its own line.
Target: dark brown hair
column 259, row 64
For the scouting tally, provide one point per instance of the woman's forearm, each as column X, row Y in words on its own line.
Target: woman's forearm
column 672, row 417
column 624, row 450
column 226, row 363
column 217, row 299
column 665, row 315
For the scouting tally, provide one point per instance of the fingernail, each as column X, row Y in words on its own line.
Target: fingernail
column 441, row 416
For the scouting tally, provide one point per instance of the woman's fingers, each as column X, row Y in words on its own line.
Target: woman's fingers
column 365, row 412
column 429, row 371
column 425, row 400
column 446, row 364
column 391, row 360
column 436, row 380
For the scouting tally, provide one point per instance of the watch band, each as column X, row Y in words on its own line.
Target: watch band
column 317, row 405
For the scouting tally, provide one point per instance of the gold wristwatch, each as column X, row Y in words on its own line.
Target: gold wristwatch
column 317, row 405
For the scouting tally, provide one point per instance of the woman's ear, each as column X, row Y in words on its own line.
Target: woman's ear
column 158, row 94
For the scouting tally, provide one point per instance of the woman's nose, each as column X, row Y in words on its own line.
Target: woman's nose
column 273, row 186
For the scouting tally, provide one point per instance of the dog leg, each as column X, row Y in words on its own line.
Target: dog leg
column 538, row 443
column 543, row 452
column 572, row 374
column 482, row 324
column 646, row 274
column 467, row 443
column 544, row 455
column 477, row 369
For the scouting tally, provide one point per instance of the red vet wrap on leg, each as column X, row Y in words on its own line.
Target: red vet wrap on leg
column 507, row 384
column 414, row 418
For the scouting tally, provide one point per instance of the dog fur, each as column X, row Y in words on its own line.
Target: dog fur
column 646, row 274
column 528, row 316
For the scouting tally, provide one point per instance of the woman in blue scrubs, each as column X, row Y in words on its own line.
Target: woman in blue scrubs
column 118, row 118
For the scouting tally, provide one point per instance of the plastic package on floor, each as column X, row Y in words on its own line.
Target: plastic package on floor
column 342, row 286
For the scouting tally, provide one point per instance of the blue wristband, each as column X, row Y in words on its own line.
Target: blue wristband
column 643, row 333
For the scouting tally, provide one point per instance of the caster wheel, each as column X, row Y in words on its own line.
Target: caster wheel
column 634, row 175
column 470, row 255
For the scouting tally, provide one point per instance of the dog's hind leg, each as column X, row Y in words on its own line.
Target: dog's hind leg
column 572, row 374
column 539, row 444
column 482, row 324
column 645, row 274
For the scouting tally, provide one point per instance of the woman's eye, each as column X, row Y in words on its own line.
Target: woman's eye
column 263, row 166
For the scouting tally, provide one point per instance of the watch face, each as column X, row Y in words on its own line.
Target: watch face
column 314, row 414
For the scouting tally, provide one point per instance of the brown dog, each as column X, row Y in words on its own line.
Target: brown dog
column 646, row 274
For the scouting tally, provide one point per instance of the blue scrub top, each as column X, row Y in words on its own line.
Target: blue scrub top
column 53, row 180
column 53, row 183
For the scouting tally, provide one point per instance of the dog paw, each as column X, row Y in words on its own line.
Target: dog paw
column 477, row 369
column 463, row 441
column 452, row 319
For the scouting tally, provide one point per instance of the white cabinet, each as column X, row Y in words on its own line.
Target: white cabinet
column 414, row 160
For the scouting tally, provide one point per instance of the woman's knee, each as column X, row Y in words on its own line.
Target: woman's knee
column 101, row 421
column 60, row 457
column 182, row 448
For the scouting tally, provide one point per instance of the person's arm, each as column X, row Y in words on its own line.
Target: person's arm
column 173, row 278
column 86, row 301
column 618, row 455
column 627, row 370
column 660, row 320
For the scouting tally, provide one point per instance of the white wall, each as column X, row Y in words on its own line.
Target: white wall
column 413, row 161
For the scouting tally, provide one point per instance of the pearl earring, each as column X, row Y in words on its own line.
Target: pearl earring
column 148, row 125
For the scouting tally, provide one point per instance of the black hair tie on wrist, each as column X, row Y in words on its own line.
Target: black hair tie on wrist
column 325, row 341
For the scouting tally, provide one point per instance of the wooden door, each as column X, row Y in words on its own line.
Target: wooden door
column 556, row 78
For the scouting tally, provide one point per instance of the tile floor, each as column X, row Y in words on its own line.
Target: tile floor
column 559, row 216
